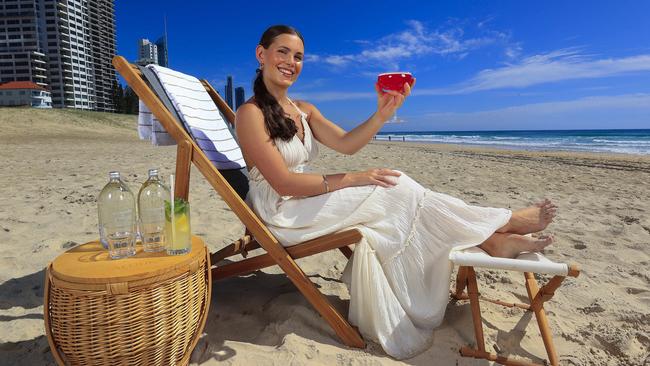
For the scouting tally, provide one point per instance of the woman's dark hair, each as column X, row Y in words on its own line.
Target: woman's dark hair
column 277, row 123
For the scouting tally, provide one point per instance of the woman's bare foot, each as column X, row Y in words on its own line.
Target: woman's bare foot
column 507, row 245
column 531, row 219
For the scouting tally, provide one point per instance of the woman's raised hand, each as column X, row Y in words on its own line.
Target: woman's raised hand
column 388, row 102
column 380, row 177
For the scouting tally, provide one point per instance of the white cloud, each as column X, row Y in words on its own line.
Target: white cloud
column 560, row 65
column 416, row 40
column 556, row 66
column 482, row 23
column 513, row 51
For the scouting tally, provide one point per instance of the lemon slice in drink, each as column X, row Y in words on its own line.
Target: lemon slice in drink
column 182, row 223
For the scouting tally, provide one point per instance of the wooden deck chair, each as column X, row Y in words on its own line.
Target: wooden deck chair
column 528, row 263
column 257, row 235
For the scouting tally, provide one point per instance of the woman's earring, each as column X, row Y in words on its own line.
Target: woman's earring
column 261, row 66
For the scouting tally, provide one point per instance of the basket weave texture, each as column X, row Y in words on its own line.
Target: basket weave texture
column 150, row 320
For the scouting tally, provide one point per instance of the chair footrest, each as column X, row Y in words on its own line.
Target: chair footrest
column 525, row 262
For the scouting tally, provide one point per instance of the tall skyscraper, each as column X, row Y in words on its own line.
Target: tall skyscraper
column 161, row 44
column 102, row 43
column 239, row 97
column 163, row 59
column 228, row 90
column 147, row 52
column 65, row 46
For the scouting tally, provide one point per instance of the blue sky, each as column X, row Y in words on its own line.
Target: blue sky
column 484, row 65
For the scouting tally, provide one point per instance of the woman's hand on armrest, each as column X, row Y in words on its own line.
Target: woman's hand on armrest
column 380, row 177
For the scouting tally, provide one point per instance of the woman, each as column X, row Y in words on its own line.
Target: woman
column 399, row 274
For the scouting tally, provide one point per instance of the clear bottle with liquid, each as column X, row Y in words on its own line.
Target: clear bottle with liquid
column 117, row 217
column 151, row 211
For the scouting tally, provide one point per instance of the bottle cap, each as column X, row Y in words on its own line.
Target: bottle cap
column 153, row 172
column 114, row 175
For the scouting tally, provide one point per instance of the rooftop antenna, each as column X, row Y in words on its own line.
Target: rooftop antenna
column 166, row 43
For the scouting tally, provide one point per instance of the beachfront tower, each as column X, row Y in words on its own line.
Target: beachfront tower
column 239, row 97
column 64, row 46
column 101, row 26
column 22, row 56
column 147, row 52
column 161, row 44
column 228, row 90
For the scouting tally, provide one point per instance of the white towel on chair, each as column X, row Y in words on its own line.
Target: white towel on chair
column 149, row 128
column 201, row 117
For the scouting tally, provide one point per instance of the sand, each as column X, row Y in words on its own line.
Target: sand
column 55, row 162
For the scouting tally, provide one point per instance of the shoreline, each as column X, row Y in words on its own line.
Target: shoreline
column 506, row 149
column 594, row 159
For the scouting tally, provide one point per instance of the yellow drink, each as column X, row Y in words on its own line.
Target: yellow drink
column 178, row 235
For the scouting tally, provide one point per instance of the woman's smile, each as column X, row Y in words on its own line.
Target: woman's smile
column 287, row 72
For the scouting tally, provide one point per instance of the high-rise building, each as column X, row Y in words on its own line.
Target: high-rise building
column 147, row 52
column 228, row 90
column 163, row 58
column 102, row 43
column 161, row 44
column 239, row 97
column 65, row 46
column 22, row 56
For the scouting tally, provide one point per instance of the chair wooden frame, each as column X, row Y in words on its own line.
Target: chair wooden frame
column 257, row 235
column 466, row 279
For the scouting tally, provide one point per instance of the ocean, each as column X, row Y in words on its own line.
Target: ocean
column 606, row 141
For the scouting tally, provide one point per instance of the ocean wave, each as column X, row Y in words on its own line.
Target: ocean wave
column 507, row 138
column 562, row 143
column 638, row 142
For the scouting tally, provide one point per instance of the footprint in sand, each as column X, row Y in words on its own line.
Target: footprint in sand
column 635, row 291
column 629, row 220
column 580, row 246
column 594, row 307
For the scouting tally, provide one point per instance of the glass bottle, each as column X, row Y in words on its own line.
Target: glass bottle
column 151, row 211
column 117, row 225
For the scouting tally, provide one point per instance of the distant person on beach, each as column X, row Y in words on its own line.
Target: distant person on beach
column 399, row 274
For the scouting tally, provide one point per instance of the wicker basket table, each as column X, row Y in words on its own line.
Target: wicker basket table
column 149, row 309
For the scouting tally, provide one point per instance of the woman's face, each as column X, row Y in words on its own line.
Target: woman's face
column 282, row 60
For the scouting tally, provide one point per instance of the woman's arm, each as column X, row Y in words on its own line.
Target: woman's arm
column 334, row 137
column 259, row 151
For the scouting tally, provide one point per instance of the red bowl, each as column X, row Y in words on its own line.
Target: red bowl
column 394, row 80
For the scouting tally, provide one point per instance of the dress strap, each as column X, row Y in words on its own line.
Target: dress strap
column 295, row 106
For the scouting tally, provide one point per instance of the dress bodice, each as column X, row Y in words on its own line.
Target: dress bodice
column 296, row 154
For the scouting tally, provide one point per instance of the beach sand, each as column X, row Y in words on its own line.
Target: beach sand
column 54, row 163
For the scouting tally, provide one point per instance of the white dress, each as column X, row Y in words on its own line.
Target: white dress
column 399, row 274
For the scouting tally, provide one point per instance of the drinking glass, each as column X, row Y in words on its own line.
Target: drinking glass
column 120, row 235
column 177, row 233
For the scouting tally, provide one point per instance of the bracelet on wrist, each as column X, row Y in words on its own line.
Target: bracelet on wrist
column 326, row 183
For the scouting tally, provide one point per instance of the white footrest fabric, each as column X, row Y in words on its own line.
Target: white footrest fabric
column 525, row 262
